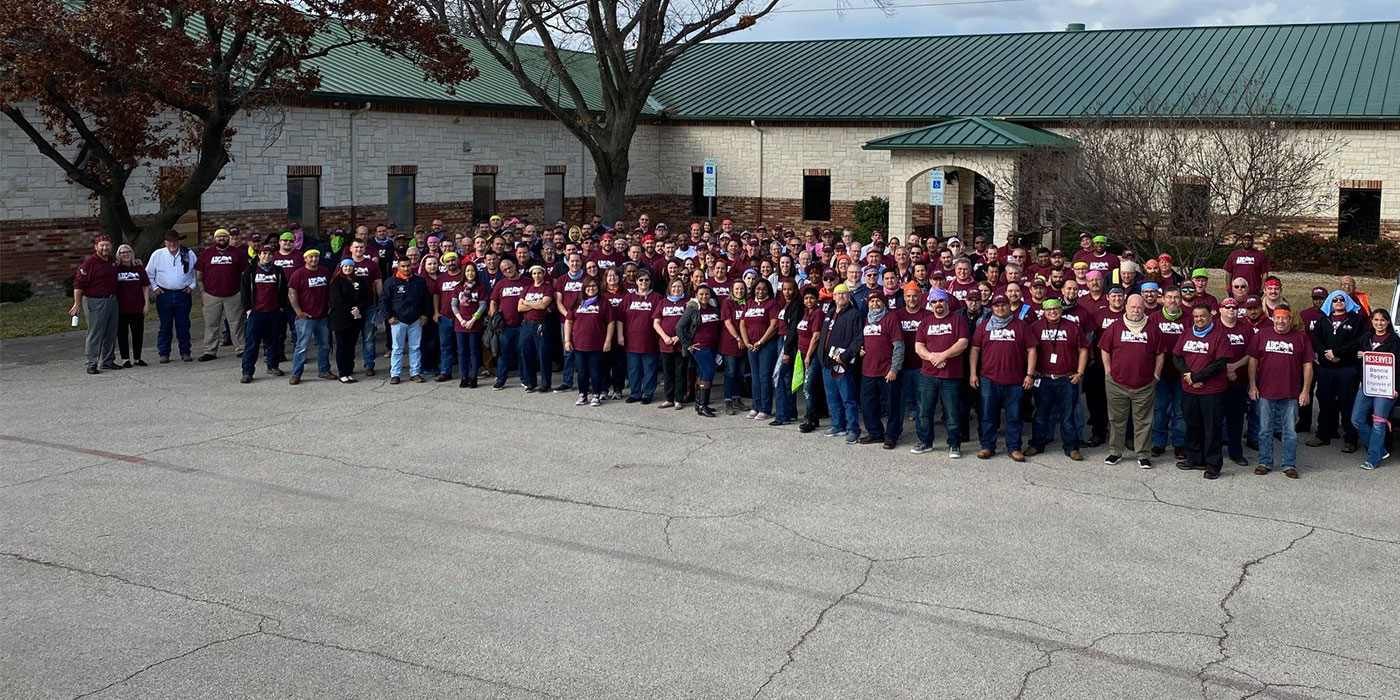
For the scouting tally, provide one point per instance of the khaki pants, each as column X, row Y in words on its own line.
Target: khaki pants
column 1125, row 403
column 216, row 311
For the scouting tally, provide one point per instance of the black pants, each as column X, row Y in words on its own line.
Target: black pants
column 135, row 325
column 1336, row 392
column 1305, row 413
column 615, row 369
column 1236, row 404
column 1203, row 413
column 673, row 365
column 346, row 342
column 1096, row 396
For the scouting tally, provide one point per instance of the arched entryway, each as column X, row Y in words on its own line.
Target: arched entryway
column 968, row 209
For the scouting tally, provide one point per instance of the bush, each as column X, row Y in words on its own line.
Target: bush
column 871, row 214
column 14, row 291
column 1305, row 252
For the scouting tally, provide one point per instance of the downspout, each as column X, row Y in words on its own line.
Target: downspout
column 354, row 171
column 754, row 125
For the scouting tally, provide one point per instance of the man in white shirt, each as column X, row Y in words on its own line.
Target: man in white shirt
column 172, row 273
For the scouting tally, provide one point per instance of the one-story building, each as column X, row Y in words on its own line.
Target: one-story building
column 799, row 130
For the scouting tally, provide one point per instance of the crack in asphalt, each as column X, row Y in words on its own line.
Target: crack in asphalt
column 670, row 519
column 1359, row 660
column 821, row 615
column 1223, row 653
column 975, row 611
column 176, row 657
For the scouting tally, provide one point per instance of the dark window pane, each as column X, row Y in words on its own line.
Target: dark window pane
column 401, row 201
column 304, row 202
column 553, row 197
column 1190, row 209
column 1359, row 214
column 816, row 197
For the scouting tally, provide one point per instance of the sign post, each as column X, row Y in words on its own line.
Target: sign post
column 1378, row 374
column 935, row 199
column 710, row 186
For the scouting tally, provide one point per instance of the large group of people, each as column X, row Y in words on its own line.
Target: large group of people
column 1090, row 349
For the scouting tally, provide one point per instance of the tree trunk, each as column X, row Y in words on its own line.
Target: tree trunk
column 115, row 218
column 610, row 185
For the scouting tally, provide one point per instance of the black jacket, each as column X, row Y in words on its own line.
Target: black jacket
column 792, row 315
column 405, row 300
column 344, row 297
column 246, row 288
column 844, row 330
column 1344, row 341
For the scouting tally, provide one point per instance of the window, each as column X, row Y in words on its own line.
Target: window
column 304, row 201
column 816, row 197
column 1359, row 215
column 483, row 196
column 1190, row 208
column 553, row 197
column 700, row 205
column 401, row 200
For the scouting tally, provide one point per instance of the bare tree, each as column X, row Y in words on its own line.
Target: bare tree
column 557, row 50
column 1181, row 179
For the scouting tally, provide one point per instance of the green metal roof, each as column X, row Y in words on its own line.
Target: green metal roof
column 970, row 134
column 1348, row 71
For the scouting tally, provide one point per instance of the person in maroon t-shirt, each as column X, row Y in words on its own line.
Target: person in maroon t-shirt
column 639, row 339
column 758, row 334
column 1249, row 263
column 265, row 305
column 1062, row 355
column 1130, row 347
column 133, row 301
column 588, row 333
column 1003, row 358
column 1168, row 422
column 1237, row 406
column 1280, row 370
column 95, row 292
column 731, row 345
column 505, row 300
column 1201, row 356
column 940, row 343
column 221, row 269
column 882, row 356
column 468, row 310
column 1310, row 316
column 807, row 336
column 664, row 319
column 536, row 303
column 308, row 290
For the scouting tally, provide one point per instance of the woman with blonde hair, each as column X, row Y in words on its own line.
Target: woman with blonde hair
column 133, row 300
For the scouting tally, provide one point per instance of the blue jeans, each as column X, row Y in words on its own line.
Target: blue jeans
column 510, row 352
column 173, row 309
column 733, row 377
column 812, row 375
column 536, row 366
column 1279, row 416
column 841, row 400
column 784, row 398
column 1371, row 436
column 1056, row 397
column 407, row 335
column 447, row 345
column 932, row 390
column 469, row 354
column 306, row 328
column 641, row 374
column 882, row 404
column 367, row 339
column 260, row 331
column 589, row 364
column 1168, row 408
column 1236, row 407
column 909, row 389
column 995, row 399
column 761, row 362
column 704, row 360
column 568, row 371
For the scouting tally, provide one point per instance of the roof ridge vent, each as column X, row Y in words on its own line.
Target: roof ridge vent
column 1074, row 27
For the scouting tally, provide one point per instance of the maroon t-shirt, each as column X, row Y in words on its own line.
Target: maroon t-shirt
column 708, row 332
column 1103, row 318
column 1132, row 356
column 809, row 325
column 569, row 290
column 132, row 282
column 1088, row 302
column 1003, row 352
column 313, row 290
column 1106, row 263
column 1310, row 318
column 607, row 260
column 1171, row 333
column 721, row 289
column 669, row 314
column 507, row 295
column 1281, row 358
column 537, row 292
column 469, row 301
column 1199, row 352
column 445, row 287
column 939, row 334
column 880, row 338
column 265, row 292
column 96, row 277
column 757, row 316
column 636, row 316
column 730, row 310
column 1238, row 340
column 366, row 271
column 960, row 290
column 910, row 324
column 288, row 261
column 1252, row 265
column 222, row 270
column 1057, row 346
column 590, row 325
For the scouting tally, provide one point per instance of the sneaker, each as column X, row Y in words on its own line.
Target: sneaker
column 728, row 407
column 1112, row 459
column 1144, row 464
column 1186, row 465
column 529, row 390
column 564, row 388
column 498, row 386
column 582, row 400
column 921, row 449
column 833, row 432
column 141, row 363
column 127, row 365
column 762, row 417
column 207, row 357
column 752, row 415
column 954, row 452
column 1367, row 466
column 597, row 400
column 275, row 371
column 852, row 438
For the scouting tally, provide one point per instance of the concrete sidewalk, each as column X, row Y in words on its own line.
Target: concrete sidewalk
column 167, row 532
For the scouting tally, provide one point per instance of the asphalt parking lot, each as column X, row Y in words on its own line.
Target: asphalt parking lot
column 170, row 533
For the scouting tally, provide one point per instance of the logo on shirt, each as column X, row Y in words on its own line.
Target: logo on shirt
column 128, row 277
column 264, row 278
column 672, row 310
column 450, row 285
column 1196, row 347
column 1245, row 260
column 872, row 329
column 638, row 305
column 1054, row 334
column 1002, row 334
column 709, row 318
column 909, row 324
column 938, row 329
column 511, row 291
column 1171, row 327
column 1279, row 346
column 316, row 281
column 221, row 260
column 1128, row 336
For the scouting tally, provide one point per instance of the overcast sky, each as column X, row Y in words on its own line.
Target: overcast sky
column 1041, row 15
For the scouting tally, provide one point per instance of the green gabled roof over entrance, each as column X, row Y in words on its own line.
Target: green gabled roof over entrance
column 970, row 134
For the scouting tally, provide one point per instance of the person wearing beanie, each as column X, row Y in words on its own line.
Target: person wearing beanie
column 941, row 344
column 839, row 349
column 265, row 301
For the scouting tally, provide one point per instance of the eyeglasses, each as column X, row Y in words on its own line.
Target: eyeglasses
column 1240, row 286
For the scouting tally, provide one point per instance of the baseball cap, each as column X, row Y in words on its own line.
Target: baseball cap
column 1037, row 282
column 1100, row 239
column 1199, row 272
column 1251, row 302
column 1058, row 252
column 1319, row 293
column 266, row 248
column 1128, row 253
column 1229, row 303
column 1000, row 299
